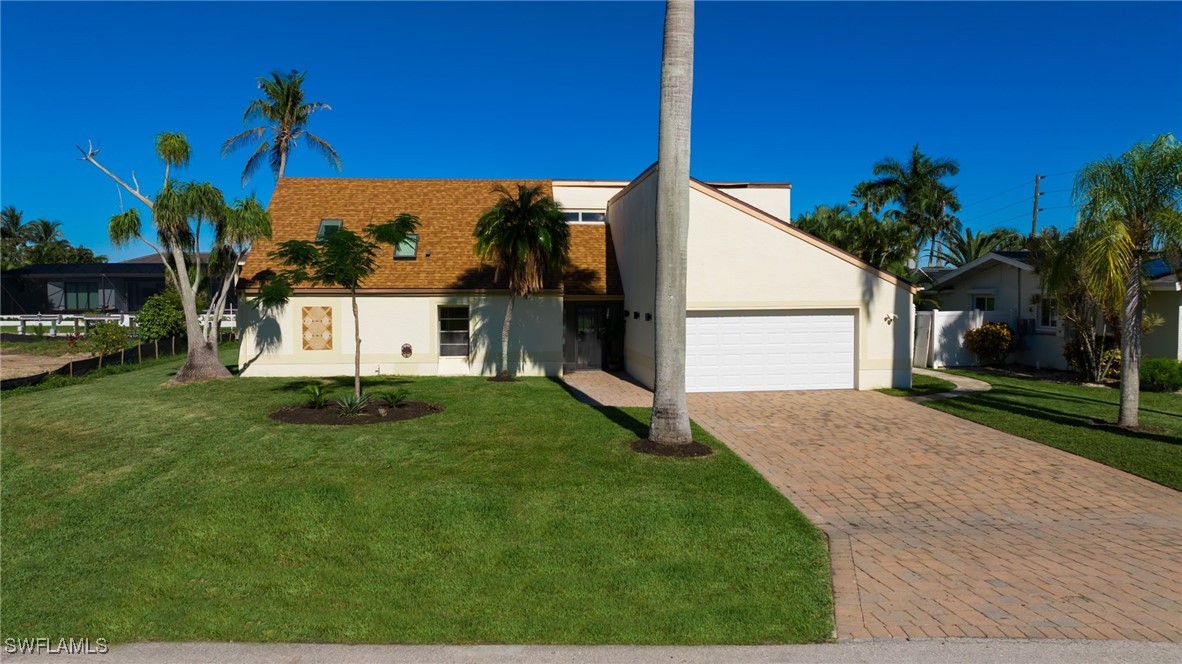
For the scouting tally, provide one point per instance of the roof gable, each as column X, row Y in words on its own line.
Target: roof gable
column 1016, row 259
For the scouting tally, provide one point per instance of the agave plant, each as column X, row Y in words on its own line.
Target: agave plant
column 393, row 398
column 352, row 405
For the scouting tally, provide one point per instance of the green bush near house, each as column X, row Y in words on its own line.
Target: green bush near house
column 106, row 338
column 1161, row 375
column 992, row 342
column 161, row 316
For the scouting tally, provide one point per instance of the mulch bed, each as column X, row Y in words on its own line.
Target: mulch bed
column 407, row 410
column 692, row 450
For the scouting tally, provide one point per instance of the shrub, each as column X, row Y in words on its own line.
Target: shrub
column 1161, row 375
column 352, row 405
column 317, row 395
column 106, row 338
column 1108, row 363
column 992, row 342
column 161, row 316
column 393, row 397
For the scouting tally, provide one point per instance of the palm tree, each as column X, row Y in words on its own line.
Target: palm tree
column 343, row 259
column 963, row 248
column 12, row 238
column 916, row 187
column 11, row 223
column 884, row 243
column 669, row 424
column 283, row 114
column 525, row 237
column 1129, row 207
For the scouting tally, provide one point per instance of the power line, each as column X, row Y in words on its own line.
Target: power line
column 1002, row 193
column 1006, row 207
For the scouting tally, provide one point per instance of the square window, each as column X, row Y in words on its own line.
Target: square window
column 327, row 228
column 453, row 332
column 984, row 302
column 406, row 250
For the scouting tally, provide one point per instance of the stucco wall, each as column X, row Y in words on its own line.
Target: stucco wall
column 271, row 343
column 1166, row 340
column 633, row 223
column 585, row 196
column 776, row 201
column 739, row 262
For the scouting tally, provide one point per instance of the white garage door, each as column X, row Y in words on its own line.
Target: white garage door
column 736, row 352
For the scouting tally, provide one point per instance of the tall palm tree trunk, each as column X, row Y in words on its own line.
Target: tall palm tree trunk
column 1130, row 347
column 356, row 347
column 505, row 337
column 670, row 418
column 282, row 163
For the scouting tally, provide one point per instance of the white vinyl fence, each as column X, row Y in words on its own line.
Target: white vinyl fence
column 939, row 336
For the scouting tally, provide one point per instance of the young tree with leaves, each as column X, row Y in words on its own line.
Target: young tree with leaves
column 179, row 213
column 343, row 259
column 524, row 236
column 1130, row 207
column 283, row 117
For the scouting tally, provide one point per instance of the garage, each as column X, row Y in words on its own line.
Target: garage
column 757, row 351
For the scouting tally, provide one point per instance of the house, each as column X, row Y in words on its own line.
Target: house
column 1003, row 286
column 69, row 288
column 769, row 306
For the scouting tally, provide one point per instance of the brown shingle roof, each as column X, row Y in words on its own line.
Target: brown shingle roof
column 447, row 210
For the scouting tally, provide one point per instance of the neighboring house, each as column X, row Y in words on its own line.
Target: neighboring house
column 1003, row 286
column 769, row 306
column 72, row 288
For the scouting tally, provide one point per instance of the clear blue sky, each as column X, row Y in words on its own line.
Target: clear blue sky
column 804, row 92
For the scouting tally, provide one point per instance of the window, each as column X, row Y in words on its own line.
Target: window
column 453, row 331
column 81, row 295
column 583, row 217
column 406, row 250
column 327, row 228
column 984, row 302
column 1048, row 314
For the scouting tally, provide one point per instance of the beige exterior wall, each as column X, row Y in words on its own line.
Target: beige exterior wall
column 1165, row 340
column 271, row 344
column 774, row 200
column 585, row 196
column 738, row 262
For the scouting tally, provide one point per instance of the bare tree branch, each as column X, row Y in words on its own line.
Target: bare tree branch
column 88, row 155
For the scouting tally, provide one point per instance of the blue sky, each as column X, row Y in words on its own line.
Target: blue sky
column 812, row 93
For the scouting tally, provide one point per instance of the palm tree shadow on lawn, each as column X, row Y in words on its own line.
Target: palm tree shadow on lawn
column 973, row 404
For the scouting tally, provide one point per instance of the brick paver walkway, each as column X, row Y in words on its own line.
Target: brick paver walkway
column 940, row 527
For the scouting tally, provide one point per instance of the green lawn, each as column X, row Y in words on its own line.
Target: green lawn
column 134, row 511
column 920, row 385
column 1064, row 416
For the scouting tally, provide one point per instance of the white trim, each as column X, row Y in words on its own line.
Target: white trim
column 969, row 267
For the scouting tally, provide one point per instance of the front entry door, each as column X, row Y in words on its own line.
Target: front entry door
column 584, row 347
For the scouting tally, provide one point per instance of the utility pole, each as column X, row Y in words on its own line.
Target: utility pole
column 1034, row 215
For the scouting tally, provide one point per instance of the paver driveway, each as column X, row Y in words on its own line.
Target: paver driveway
column 942, row 527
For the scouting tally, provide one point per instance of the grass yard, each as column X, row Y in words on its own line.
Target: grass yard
column 134, row 511
column 921, row 385
column 1064, row 416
